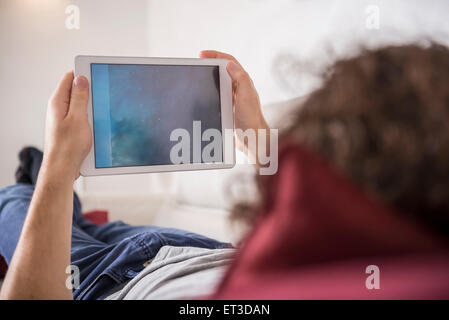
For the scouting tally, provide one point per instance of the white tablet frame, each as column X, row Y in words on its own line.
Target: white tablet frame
column 83, row 67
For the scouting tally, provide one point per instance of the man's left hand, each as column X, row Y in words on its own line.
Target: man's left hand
column 68, row 136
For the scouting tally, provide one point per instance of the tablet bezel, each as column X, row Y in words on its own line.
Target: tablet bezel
column 83, row 67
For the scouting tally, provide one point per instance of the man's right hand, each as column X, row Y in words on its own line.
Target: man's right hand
column 248, row 114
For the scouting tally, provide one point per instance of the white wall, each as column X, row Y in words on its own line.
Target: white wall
column 257, row 32
column 36, row 49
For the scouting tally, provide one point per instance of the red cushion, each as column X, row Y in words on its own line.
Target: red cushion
column 3, row 267
column 98, row 217
column 317, row 235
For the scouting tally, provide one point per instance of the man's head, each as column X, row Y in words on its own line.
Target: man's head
column 382, row 120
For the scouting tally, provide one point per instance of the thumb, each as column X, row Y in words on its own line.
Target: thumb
column 79, row 96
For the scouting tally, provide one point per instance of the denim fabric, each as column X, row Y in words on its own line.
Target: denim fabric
column 106, row 255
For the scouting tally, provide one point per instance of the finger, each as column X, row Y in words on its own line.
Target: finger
column 212, row 54
column 238, row 75
column 79, row 96
column 59, row 102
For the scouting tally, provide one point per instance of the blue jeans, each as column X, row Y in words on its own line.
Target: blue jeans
column 106, row 255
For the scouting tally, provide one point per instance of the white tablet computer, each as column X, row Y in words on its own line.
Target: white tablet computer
column 157, row 114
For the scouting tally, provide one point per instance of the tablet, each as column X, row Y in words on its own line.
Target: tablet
column 157, row 114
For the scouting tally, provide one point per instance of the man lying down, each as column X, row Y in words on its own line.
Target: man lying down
column 365, row 201
column 116, row 260
column 44, row 237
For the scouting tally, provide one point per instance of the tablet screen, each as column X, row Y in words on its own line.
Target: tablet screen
column 137, row 107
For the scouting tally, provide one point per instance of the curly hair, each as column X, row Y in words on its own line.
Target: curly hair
column 382, row 120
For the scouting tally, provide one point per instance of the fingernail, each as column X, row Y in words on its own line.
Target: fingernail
column 80, row 82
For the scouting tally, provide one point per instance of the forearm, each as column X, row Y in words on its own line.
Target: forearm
column 37, row 269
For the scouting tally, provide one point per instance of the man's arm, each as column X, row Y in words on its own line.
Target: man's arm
column 37, row 269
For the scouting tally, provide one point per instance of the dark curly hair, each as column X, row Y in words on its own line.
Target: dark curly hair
column 382, row 120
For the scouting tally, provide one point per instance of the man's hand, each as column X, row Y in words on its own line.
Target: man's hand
column 248, row 114
column 68, row 136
